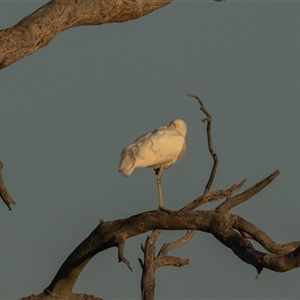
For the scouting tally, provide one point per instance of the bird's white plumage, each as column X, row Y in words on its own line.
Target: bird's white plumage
column 159, row 149
column 162, row 147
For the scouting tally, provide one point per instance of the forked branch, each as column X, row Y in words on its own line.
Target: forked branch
column 231, row 230
column 152, row 262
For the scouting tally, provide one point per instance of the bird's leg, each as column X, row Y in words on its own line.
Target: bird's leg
column 160, row 197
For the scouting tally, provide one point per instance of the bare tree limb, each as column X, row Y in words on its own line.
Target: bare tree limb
column 151, row 263
column 213, row 196
column 7, row 199
column 176, row 244
column 41, row 27
column 251, row 231
column 73, row 297
column 250, row 192
column 173, row 261
column 221, row 224
column 148, row 275
column 232, row 231
column 120, row 242
column 208, row 119
column 163, row 259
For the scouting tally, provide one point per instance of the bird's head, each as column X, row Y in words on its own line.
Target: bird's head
column 180, row 126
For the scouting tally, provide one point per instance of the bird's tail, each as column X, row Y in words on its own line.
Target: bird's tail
column 127, row 160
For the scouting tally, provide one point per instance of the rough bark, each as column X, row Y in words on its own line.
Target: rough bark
column 39, row 28
column 151, row 263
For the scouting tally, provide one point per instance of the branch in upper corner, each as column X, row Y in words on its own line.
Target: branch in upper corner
column 208, row 119
column 43, row 25
column 8, row 200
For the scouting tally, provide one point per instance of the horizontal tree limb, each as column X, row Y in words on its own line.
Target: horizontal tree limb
column 41, row 27
column 221, row 224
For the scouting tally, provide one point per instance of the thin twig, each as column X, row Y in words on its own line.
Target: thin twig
column 176, row 244
column 231, row 202
column 121, row 257
column 208, row 119
column 213, row 196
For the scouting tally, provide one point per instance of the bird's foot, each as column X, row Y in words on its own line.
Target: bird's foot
column 164, row 209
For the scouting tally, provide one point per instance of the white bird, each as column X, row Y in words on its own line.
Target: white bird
column 159, row 149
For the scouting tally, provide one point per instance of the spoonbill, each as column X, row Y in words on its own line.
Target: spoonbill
column 159, row 149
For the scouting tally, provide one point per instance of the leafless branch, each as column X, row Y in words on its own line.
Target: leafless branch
column 148, row 276
column 231, row 230
column 220, row 224
column 231, row 202
column 213, row 196
column 176, row 244
column 163, row 259
column 38, row 29
column 7, row 199
column 120, row 244
column 208, row 119
column 250, row 231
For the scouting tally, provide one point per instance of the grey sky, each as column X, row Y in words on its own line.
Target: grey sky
column 68, row 110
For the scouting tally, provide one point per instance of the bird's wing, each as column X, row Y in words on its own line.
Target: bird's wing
column 145, row 136
column 161, row 146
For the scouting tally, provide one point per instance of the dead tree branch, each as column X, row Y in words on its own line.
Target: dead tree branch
column 212, row 152
column 213, row 196
column 231, row 230
column 208, row 196
column 7, row 199
column 221, row 224
column 41, row 27
column 148, row 279
column 151, row 263
column 120, row 242
column 251, row 231
column 231, row 202
column 176, row 244
column 148, row 266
